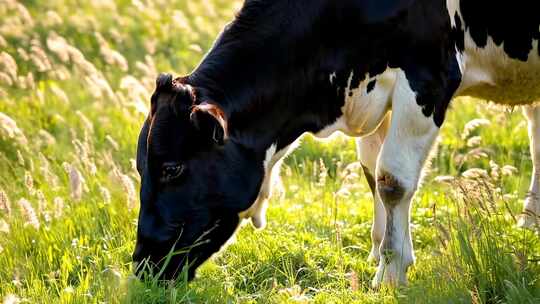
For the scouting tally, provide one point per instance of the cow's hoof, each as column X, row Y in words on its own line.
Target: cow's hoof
column 374, row 255
column 392, row 274
column 259, row 222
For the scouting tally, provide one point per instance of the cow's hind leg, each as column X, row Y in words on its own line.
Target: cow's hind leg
column 404, row 152
column 368, row 149
column 531, row 208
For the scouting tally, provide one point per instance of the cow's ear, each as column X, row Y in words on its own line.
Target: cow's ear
column 164, row 84
column 210, row 120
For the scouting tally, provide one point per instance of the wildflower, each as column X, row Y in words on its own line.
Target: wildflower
column 5, row 205
column 29, row 213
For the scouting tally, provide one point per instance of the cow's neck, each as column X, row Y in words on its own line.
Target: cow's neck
column 261, row 116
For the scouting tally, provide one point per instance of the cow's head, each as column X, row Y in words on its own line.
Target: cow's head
column 194, row 182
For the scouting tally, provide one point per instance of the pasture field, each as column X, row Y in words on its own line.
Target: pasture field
column 75, row 82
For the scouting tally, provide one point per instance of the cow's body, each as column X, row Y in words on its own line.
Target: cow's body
column 502, row 73
column 386, row 69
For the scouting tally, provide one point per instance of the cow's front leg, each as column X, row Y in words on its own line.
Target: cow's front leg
column 399, row 166
column 531, row 208
column 368, row 149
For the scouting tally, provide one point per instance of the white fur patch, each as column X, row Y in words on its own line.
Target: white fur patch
column 271, row 165
column 268, row 158
column 363, row 111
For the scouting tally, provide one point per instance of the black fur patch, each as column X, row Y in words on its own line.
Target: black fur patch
column 458, row 35
column 370, row 180
column 516, row 24
column 371, row 85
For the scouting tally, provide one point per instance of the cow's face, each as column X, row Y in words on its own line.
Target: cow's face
column 190, row 192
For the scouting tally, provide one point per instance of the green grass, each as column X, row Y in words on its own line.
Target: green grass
column 71, row 157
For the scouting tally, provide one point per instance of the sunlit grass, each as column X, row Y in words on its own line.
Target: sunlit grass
column 75, row 81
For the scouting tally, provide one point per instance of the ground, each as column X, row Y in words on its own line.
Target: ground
column 75, row 79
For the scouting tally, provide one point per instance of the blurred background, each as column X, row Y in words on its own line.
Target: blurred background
column 75, row 84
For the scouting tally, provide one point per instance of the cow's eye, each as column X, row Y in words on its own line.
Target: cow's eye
column 171, row 171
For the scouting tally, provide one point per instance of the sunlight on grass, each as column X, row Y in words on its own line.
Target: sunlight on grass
column 75, row 84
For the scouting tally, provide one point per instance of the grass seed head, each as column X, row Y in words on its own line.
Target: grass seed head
column 129, row 189
column 9, row 128
column 29, row 182
column 472, row 125
column 105, row 194
column 29, row 213
column 58, row 207
column 5, row 205
column 76, row 181
column 9, row 65
column 3, row 42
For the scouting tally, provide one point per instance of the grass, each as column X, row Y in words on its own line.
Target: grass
column 75, row 79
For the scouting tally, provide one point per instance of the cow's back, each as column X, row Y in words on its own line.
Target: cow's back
column 498, row 49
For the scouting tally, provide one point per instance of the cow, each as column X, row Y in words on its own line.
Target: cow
column 385, row 70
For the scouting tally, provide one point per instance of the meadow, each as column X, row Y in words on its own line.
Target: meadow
column 75, row 84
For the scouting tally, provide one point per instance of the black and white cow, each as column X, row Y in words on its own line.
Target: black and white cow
column 384, row 68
